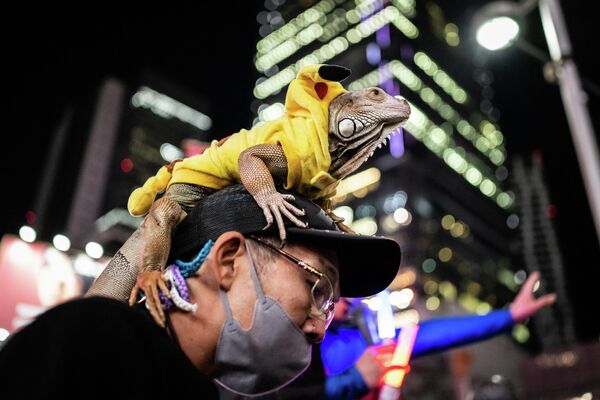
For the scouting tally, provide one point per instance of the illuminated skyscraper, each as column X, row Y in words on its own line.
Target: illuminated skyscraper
column 134, row 129
column 440, row 189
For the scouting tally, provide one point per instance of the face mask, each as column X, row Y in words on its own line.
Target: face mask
column 265, row 358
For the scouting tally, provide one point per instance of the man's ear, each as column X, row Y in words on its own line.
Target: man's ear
column 227, row 252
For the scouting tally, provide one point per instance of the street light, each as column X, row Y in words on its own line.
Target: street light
column 495, row 26
column 497, row 33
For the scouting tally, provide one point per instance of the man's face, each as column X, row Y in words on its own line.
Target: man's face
column 291, row 285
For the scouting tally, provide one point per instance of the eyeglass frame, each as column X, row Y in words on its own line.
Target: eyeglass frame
column 326, row 311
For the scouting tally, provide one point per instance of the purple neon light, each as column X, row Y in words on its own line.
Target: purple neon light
column 397, row 143
column 373, row 54
column 387, row 83
column 382, row 37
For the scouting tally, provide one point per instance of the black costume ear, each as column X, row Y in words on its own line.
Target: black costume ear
column 334, row 72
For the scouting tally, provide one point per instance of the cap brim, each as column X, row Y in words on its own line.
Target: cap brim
column 367, row 264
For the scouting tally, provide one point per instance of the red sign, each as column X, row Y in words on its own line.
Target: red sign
column 33, row 278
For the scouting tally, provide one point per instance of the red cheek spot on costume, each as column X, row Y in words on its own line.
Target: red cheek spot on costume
column 321, row 89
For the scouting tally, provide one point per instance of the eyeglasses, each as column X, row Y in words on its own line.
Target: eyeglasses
column 321, row 292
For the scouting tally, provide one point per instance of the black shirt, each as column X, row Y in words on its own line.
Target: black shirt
column 97, row 348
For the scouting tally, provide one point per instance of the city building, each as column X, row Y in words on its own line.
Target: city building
column 442, row 187
column 132, row 130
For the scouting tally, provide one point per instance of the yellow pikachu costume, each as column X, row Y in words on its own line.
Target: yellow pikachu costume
column 302, row 132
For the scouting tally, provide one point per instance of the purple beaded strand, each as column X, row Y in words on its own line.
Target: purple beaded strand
column 180, row 286
column 180, row 283
column 165, row 301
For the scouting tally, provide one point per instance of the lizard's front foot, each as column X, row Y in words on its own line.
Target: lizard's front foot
column 274, row 204
column 150, row 282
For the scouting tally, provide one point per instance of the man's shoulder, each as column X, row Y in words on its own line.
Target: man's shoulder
column 71, row 329
column 100, row 338
column 86, row 319
column 90, row 309
column 91, row 302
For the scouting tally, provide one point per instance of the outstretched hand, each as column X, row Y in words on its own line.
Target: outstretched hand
column 525, row 304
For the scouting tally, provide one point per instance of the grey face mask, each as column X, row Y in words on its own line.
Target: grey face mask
column 265, row 358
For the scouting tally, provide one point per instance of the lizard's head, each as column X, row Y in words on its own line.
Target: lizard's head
column 359, row 123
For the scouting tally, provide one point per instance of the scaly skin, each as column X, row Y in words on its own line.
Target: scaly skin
column 359, row 122
column 131, row 270
column 258, row 165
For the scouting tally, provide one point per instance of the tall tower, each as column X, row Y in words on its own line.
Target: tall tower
column 134, row 129
column 441, row 188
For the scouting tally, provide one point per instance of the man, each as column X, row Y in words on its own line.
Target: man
column 252, row 311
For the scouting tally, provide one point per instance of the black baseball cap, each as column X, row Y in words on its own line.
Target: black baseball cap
column 367, row 264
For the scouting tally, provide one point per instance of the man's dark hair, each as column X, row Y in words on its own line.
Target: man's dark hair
column 263, row 257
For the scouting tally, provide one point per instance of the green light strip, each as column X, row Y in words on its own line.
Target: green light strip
column 456, row 157
column 407, row 7
column 414, row 83
column 440, row 77
column 296, row 26
column 447, row 112
column 458, row 94
column 406, row 27
column 334, row 47
column 438, row 141
column 304, row 19
column 289, row 47
column 341, row 19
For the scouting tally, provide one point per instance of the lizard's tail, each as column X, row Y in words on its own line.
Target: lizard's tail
column 141, row 199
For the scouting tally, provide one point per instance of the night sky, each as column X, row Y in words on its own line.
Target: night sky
column 56, row 57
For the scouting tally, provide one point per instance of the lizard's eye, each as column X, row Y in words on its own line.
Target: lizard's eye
column 346, row 128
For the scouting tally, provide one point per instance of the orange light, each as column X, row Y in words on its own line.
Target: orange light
column 401, row 357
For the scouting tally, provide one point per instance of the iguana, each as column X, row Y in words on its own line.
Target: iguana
column 325, row 134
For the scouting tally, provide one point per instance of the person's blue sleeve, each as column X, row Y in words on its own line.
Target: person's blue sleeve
column 440, row 334
column 345, row 386
column 341, row 349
